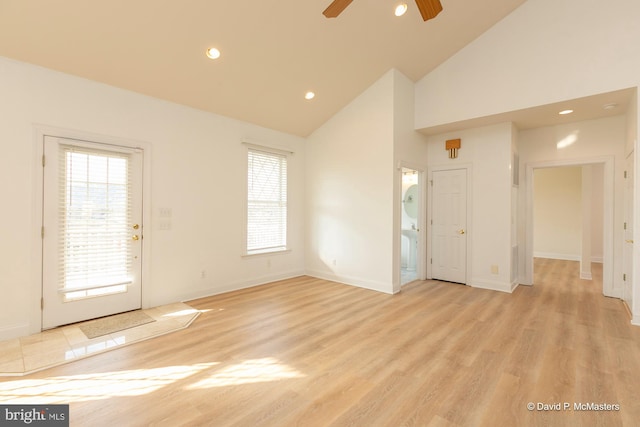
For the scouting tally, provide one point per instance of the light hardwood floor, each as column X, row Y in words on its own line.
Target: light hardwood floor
column 307, row 352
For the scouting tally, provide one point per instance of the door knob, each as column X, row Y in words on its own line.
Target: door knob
column 629, row 241
column 461, row 231
column 135, row 237
column 136, row 226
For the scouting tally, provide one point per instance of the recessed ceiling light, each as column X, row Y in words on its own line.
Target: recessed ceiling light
column 400, row 9
column 565, row 112
column 213, row 53
column 309, row 95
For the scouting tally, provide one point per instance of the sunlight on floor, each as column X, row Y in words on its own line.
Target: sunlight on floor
column 250, row 371
column 184, row 313
column 79, row 388
column 105, row 385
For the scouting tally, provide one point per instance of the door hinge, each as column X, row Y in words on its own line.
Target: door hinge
column 42, row 303
column 42, row 232
column 625, row 225
column 43, row 161
column 431, row 181
column 430, row 260
column 625, row 174
column 624, row 277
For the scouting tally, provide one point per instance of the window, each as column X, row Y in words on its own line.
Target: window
column 94, row 244
column 266, row 201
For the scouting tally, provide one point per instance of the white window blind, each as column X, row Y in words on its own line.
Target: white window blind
column 95, row 213
column 266, row 202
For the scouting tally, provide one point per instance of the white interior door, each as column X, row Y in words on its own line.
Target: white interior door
column 449, row 228
column 92, row 230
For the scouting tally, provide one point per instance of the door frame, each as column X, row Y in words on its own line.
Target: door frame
column 40, row 131
column 469, row 228
column 608, row 240
column 628, row 215
column 421, row 222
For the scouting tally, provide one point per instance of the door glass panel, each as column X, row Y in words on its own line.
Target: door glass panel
column 95, row 243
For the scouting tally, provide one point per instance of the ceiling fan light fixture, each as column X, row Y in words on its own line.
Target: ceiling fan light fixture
column 309, row 95
column 400, row 9
column 213, row 53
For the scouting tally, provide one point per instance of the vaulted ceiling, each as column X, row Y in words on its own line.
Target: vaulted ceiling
column 272, row 52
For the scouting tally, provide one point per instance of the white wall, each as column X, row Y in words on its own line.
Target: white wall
column 557, row 213
column 197, row 171
column 486, row 151
column 354, row 188
column 349, row 192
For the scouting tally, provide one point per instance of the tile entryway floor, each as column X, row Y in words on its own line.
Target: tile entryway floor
column 54, row 347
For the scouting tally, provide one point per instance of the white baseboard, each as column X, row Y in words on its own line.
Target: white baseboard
column 17, row 330
column 636, row 320
column 233, row 286
column 523, row 281
column 566, row 257
column 386, row 288
column 612, row 293
column 494, row 285
column 586, row 275
column 552, row 255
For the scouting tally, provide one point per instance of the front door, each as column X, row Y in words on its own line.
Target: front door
column 92, row 230
column 449, row 229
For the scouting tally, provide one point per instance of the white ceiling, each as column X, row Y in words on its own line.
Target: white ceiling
column 272, row 51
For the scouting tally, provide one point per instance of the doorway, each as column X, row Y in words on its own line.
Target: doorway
column 91, row 230
column 568, row 215
column 607, row 182
column 411, row 202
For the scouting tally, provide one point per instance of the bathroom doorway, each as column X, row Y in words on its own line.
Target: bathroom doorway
column 411, row 219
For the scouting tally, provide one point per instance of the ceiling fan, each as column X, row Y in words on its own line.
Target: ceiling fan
column 429, row 9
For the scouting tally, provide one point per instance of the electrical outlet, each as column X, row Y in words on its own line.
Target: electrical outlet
column 203, row 274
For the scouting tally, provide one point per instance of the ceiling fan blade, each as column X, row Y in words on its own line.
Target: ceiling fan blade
column 336, row 8
column 429, row 9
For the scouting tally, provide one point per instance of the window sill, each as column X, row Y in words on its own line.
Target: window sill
column 266, row 252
